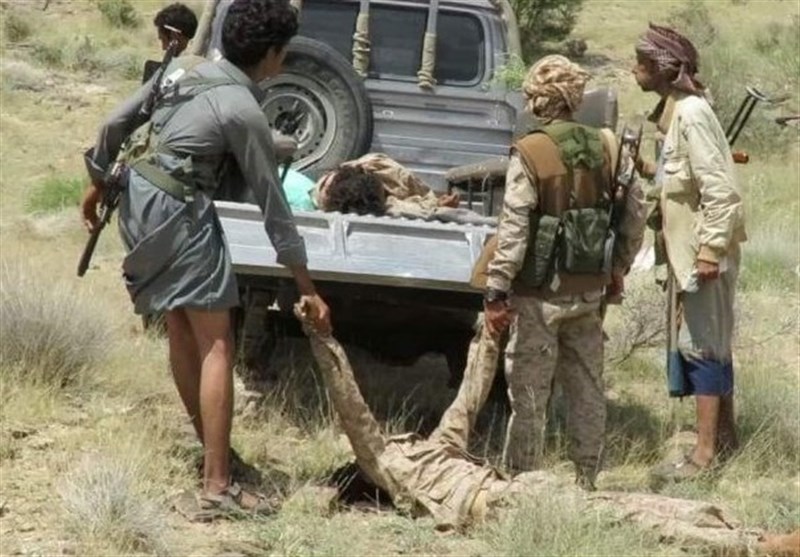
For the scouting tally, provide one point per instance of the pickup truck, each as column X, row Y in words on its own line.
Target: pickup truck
column 360, row 79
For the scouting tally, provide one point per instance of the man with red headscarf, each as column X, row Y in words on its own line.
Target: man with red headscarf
column 701, row 221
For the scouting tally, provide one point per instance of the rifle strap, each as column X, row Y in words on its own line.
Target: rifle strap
column 146, row 164
column 160, row 178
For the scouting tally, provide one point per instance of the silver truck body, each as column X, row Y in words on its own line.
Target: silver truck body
column 398, row 287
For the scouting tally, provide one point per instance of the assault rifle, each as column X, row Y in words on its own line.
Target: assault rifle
column 624, row 175
column 752, row 97
column 112, row 184
column 287, row 123
column 625, row 172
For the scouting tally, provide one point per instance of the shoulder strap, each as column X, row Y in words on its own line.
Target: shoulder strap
column 540, row 155
column 194, row 84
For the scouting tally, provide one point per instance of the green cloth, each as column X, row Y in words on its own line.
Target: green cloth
column 298, row 191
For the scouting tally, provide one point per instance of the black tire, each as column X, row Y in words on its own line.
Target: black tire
column 321, row 84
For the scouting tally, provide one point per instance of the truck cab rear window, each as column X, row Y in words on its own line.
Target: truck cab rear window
column 396, row 36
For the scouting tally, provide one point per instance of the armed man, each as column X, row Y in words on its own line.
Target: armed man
column 701, row 221
column 179, row 139
column 556, row 253
column 175, row 22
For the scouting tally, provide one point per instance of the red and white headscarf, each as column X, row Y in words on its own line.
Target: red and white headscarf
column 674, row 53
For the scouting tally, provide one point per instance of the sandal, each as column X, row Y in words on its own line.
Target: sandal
column 683, row 470
column 230, row 503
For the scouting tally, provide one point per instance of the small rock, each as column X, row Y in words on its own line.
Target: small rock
column 3, row 507
column 26, row 527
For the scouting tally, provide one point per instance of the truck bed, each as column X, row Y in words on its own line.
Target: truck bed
column 368, row 250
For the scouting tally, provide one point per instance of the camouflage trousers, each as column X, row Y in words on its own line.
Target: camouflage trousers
column 555, row 340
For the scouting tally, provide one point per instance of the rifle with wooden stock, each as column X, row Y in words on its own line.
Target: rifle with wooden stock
column 113, row 182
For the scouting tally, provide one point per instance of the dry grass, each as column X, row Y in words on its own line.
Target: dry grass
column 554, row 526
column 103, row 505
column 50, row 332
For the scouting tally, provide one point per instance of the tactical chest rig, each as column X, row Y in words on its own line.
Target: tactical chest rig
column 571, row 242
column 144, row 145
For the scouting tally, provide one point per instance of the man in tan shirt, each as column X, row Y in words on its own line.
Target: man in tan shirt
column 550, row 268
column 702, row 224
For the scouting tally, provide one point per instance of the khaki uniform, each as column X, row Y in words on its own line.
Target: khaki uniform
column 554, row 335
column 436, row 476
column 702, row 218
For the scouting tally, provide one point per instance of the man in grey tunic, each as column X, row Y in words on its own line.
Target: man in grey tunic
column 206, row 127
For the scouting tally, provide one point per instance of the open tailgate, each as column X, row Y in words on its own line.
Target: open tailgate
column 382, row 251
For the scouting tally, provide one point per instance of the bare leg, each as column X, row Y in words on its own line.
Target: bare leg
column 708, row 413
column 727, row 438
column 212, row 333
column 185, row 364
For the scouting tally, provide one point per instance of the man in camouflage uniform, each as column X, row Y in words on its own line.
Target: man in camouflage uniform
column 552, row 301
column 437, row 477
column 700, row 222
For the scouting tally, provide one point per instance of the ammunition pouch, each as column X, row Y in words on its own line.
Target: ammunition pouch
column 539, row 265
column 580, row 242
column 583, row 242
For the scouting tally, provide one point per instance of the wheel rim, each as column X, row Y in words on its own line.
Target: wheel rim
column 296, row 94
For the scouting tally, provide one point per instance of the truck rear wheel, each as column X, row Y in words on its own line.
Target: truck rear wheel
column 321, row 96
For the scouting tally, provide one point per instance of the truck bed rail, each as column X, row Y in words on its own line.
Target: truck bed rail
column 347, row 248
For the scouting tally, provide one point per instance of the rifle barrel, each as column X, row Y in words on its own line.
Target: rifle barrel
column 86, row 256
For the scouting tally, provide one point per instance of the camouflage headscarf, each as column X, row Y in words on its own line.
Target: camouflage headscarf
column 554, row 85
column 672, row 53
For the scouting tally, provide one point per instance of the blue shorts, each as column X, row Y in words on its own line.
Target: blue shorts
column 708, row 377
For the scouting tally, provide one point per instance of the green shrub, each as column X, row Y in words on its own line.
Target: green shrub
column 49, row 333
column 85, row 54
column 16, row 27
column 49, row 54
column 119, row 13
column 544, row 21
column 56, row 194
column 512, row 74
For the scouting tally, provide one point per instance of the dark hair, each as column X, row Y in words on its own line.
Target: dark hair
column 179, row 16
column 354, row 190
column 252, row 27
